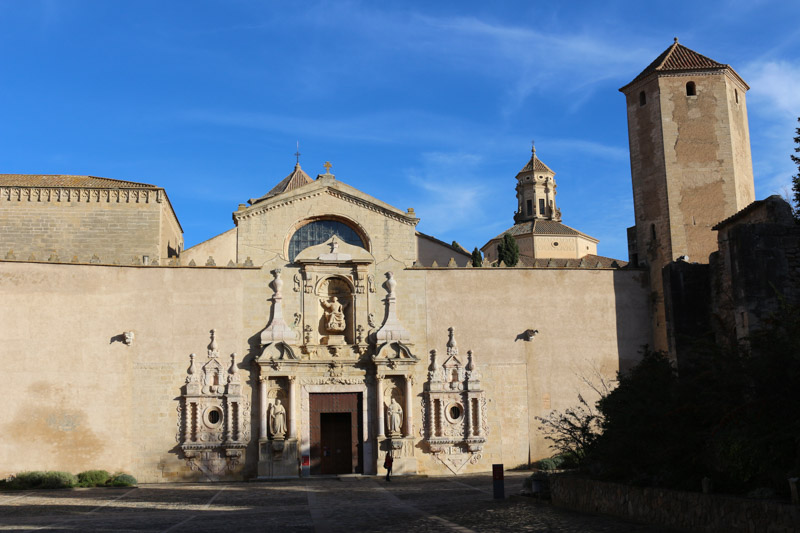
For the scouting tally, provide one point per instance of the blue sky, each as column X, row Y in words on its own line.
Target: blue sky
column 430, row 105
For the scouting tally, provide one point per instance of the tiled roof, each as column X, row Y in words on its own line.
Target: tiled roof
column 61, row 180
column 678, row 58
column 587, row 261
column 296, row 179
column 540, row 166
column 540, row 227
column 442, row 243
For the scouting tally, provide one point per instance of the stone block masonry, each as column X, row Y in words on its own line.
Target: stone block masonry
column 116, row 225
column 690, row 511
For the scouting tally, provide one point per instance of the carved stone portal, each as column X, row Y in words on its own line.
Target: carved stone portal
column 213, row 425
column 454, row 409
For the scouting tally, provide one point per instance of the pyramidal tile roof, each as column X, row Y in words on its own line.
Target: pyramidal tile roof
column 65, row 180
column 296, row 179
column 678, row 58
column 541, row 227
column 539, row 166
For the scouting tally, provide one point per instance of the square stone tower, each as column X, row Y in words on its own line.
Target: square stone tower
column 690, row 161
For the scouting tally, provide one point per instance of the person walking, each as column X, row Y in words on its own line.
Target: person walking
column 387, row 464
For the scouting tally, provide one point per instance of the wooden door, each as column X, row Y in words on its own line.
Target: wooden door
column 336, row 428
column 335, row 443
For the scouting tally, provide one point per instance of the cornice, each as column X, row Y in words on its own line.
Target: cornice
column 257, row 210
column 82, row 194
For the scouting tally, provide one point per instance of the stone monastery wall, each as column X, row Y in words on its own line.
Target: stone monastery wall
column 114, row 225
column 80, row 397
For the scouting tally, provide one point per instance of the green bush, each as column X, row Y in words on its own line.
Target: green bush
column 551, row 463
column 122, row 480
column 40, row 480
column 93, row 478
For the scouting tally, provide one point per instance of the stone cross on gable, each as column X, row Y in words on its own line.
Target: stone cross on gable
column 327, row 166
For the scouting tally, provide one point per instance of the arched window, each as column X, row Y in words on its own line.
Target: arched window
column 319, row 231
column 642, row 98
column 691, row 89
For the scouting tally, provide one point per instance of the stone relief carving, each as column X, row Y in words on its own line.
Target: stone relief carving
column 334, row 315
column 394, row 415
column 277, row 420
column 297, row 282
column 213, row 431
column 454, row 409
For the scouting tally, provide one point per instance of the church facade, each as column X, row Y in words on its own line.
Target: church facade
column 318, row 335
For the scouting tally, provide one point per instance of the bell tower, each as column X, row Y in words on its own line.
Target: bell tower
column 536, row 192
column 690, row 161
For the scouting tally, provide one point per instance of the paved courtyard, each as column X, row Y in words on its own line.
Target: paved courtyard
column 434, row 504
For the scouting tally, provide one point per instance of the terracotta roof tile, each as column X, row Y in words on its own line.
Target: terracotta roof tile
column 63, row 180
column 540, row 227
column 540, row 166
column 296, row 179
column 677, row 58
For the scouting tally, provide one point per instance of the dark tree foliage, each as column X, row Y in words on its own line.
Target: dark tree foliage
column 731, row 416
column 508, row 251
column 796, row 177
column 477, row 258
column 572, row 432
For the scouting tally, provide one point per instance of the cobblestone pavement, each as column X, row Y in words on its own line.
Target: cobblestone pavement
column 428, row 504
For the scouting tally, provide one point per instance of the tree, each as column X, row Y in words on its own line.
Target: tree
column 477, row 258
column 796, row 177
column 508, row 251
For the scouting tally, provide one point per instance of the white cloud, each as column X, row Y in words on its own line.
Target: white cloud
column 775, row 87
column 449, row 193
column 773, row 105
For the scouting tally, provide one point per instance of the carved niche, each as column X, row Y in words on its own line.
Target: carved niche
column 213, row 426
column 454, row 409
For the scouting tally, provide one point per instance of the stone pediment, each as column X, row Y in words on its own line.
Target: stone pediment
column 326, row 184
column 334, row 250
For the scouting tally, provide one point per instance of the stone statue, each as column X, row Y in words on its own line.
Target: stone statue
column 395, row 414
column 334, row 315
column 278, row 420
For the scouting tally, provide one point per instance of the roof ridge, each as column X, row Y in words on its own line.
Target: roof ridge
column 296, row 179
column 677, row 57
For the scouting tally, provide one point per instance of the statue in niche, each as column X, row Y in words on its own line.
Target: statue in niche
column 278, row 420
column 334, row 315
column 395, row 414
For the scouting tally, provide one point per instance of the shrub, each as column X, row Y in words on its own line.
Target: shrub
column 554, row 463
column 121, row 480
column 93, row 478
column 40, row 480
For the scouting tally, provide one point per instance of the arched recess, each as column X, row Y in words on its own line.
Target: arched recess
column 341, row 288
column 291, row 249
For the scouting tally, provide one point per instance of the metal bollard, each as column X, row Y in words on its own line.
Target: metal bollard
column 498, row 482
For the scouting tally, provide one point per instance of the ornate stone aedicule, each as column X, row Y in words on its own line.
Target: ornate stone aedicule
column 454, row 409
column 213, row 424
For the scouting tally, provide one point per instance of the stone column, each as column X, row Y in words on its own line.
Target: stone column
column 478, row 418
column 262, row 398
column 468, row 415
column 440, row 425
column 193, row 422
column 408, row 420
column 379, row 402
column 291, row 419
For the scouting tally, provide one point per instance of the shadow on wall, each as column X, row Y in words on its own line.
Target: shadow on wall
column 631, row 305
